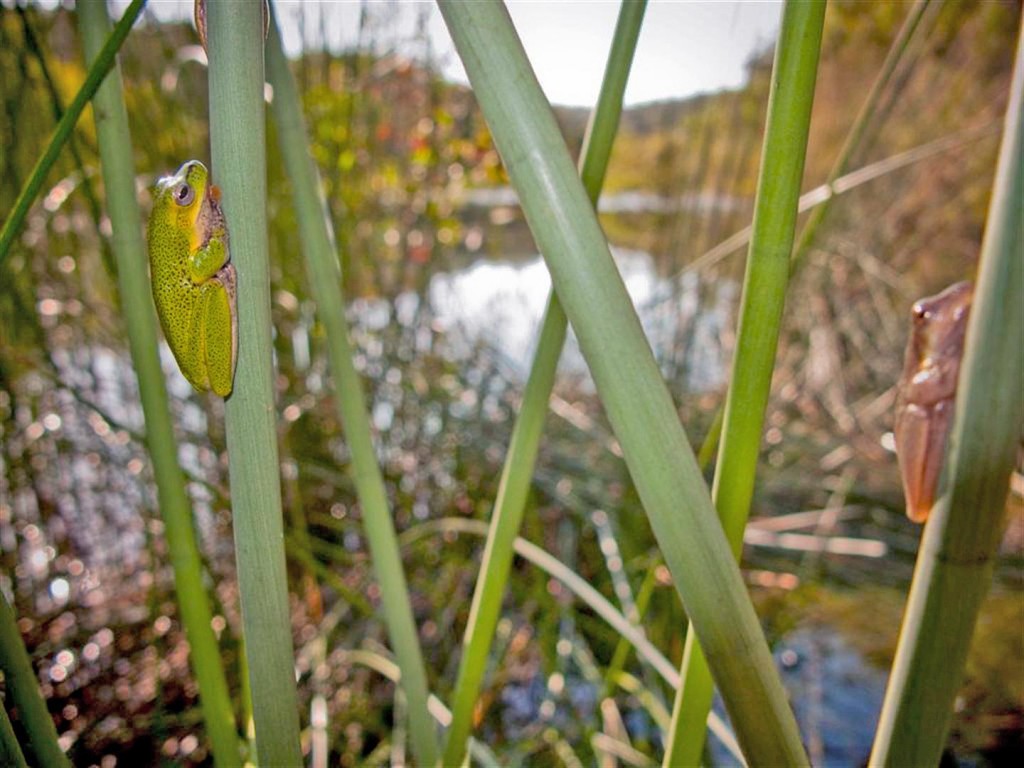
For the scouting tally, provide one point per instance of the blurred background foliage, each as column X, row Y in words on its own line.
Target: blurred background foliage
column 426, row 227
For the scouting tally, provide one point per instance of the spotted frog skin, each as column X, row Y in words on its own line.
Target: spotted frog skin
column 193, row 279
column 926, row 393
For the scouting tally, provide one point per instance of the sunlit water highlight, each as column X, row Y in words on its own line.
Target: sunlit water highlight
column 501, row 304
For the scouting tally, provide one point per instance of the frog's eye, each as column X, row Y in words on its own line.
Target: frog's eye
column 184, row 194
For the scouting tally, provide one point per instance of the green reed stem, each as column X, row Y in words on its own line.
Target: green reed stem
column 324, row 273
column 101, row 65
column 638, row 404
column 764, row 294
column 118, row 167
column 961, row 539
column 22, row 690
column 238, row 144
column 517, row 472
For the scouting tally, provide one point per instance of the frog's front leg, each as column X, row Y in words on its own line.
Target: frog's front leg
column 208, row 260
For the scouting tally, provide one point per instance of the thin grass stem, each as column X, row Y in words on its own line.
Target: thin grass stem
column 858, row 130
column 630, row 633
column 621, row 653
column 384, row 666
column 823, row 193
column 324, row 273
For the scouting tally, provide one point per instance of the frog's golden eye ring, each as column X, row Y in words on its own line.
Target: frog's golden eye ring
column 184, row 194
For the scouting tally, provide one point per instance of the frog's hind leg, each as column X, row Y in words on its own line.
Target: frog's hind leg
column 219, row 339
column 920, row 433
column 192, row 359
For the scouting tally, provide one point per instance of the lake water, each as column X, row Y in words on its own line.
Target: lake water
column 501, row 304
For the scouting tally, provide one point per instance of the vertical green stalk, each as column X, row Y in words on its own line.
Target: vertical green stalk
column 957, row 554
column 237, row 136
column 628, row 380
column 794, row 72
column 860, row 123
column 522, row 452
column 22, row 687
column 325, row 282
column 102, row 64
column 119, row 180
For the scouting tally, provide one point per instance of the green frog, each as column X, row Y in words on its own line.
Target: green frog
column 193, row 279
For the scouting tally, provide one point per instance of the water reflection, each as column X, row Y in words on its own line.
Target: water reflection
column 628, row 201
column 836, row 697
column 501, row 305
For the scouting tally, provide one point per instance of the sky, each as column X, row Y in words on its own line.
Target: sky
column 685, row 47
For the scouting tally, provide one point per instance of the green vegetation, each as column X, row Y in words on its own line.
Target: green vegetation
column 103, row 61
column 521, row 458
column 757, row 332
column 237, row 150
column 23, row 692
column 325, row 280
column 660, row 460
column 115, row 144
column 419, row 526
